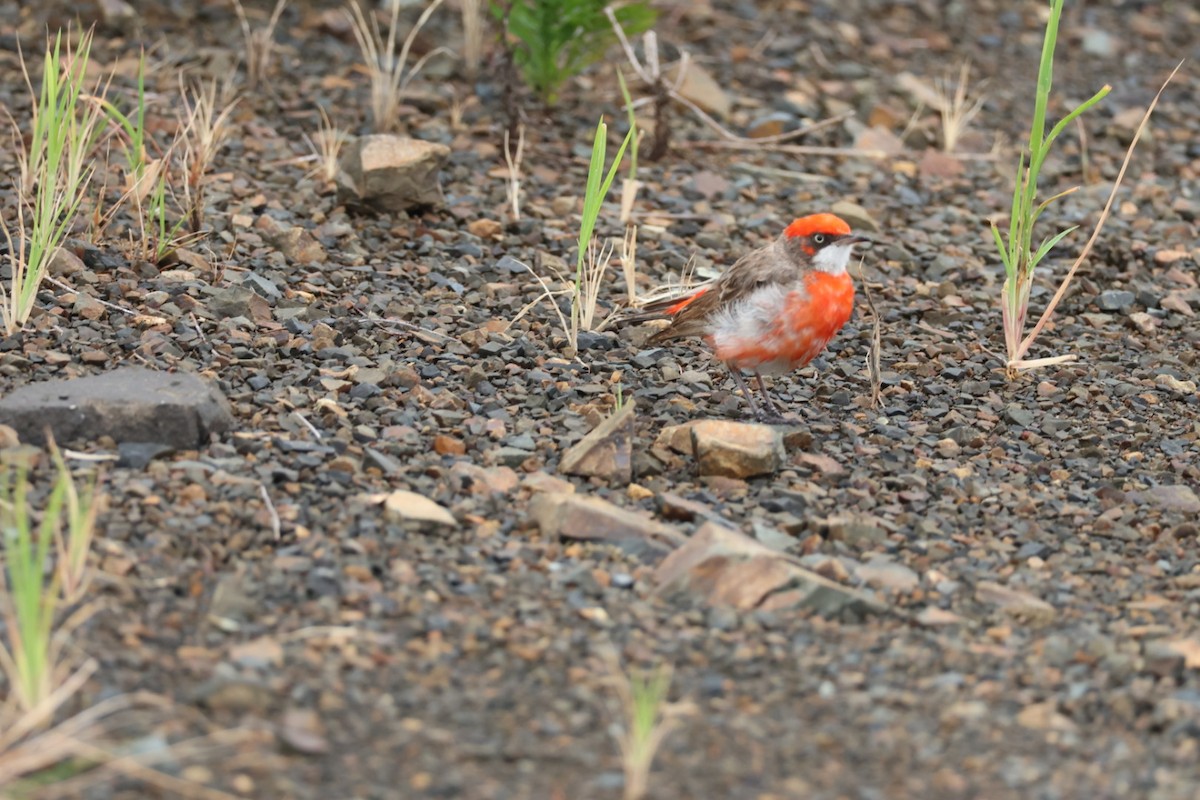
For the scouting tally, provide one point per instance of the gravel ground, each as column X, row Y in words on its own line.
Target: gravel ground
column 1030, row 543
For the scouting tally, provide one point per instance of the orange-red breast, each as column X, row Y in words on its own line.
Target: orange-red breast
column 775, row 309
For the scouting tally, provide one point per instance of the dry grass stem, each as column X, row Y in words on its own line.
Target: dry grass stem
column 260, row 42
column 1020, row 362
column 654, row 75
column 874, row 373
column 956, row 108
column 271, row 512
column 598, row 259
column 512, row 161
column 472, row 22
column 629, row 263
column 547, row 294
column 388, row 70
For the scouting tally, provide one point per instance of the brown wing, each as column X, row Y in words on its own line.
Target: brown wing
column 765, row 265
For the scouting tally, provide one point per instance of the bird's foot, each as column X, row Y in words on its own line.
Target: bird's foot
column 774, row 417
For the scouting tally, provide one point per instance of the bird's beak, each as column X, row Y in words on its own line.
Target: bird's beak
column 856, row 238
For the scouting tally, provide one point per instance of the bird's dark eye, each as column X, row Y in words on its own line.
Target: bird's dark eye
column 819, row 238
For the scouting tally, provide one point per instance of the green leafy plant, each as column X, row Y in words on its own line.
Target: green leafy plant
column 1018, row 253
column 55, row 169
column 558, row 39
column 592, row 261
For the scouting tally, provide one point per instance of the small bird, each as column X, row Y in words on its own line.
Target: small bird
column 774, row 310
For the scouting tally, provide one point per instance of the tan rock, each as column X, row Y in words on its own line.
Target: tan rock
column 573, row 516
column 404, row 506
column 728, row 567
column 855, row 215
column 1013, row 601
column 297, row 244
column 1175, row 385
column 485, row 480
column 541, row 482
column 1044, row 717
column 677, row 438
column 390, row 172
column 887, row 574
column 485, row 228
column 702, row 89
column 607, row 451
column 1174, row 497
column 736, row 449
column 65, row 263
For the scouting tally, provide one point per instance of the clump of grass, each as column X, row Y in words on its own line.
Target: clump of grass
column 260, row 42
column 205, row 128
column 1017, row 250
column 31, row 597
column 325, row 147
column 591, row 260
column 55, row 170
column 647, row 719
column 557, row 39
column 388, row 69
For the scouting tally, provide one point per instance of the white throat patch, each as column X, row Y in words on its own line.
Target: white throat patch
column 834, row 258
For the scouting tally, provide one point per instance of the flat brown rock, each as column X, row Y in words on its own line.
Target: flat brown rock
column 728, row 568
column 607, row 451
column 392, row 173
column 574, row 516
column 736, row 449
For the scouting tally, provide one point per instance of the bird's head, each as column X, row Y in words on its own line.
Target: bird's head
column 822, row 242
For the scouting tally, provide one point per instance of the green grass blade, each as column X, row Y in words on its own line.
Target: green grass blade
column 1049, row 244
column 1082, row 107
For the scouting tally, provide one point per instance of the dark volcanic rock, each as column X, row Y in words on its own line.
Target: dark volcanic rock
column 130, row 404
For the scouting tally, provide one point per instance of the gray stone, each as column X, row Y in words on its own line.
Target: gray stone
column 1019, row 416
column 1115, row 300
column 889, row 575
column 392, row 173
column 130, row 404
column 232, row 301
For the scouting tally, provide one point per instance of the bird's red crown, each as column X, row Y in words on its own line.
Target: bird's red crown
column 817, row 223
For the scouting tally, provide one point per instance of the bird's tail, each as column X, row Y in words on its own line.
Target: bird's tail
column 664, row 307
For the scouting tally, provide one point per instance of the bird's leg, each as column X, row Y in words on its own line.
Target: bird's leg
column 769, row 417
column 741, row 384
column 768, row 401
